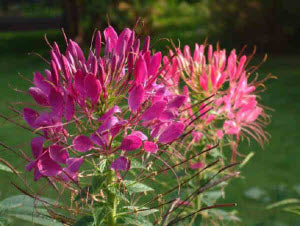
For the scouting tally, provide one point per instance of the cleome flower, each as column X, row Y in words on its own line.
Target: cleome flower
column 234, row 109
column 89, row 94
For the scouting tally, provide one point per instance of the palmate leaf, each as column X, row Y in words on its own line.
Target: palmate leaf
column 136, row 187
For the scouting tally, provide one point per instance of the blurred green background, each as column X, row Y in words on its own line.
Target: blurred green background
column 272, row 25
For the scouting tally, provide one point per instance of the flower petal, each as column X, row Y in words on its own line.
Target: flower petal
column 56, row 101
column 39, row 96
column 74, row 163
column 154, row 111
column 110, row 36
column 131, row 143
column 30, row 116
column 48, row 167
column 139, row 134
column 69, row 108
column 82, row 143
column 136, row 97
column 197, row 165
column 171, row 133
column 92, row 88
column 140, row 71
column 121, row 163
column 58, row 154
column 37, row 145
column 177, row 102
column 150, row 147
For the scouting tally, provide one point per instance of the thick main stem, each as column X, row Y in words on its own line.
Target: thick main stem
column 112, row 202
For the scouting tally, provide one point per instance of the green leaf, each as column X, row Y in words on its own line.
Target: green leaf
column 136, row 187
column 25, row 201
column 145, row 211
column 283, row 202
column 84, row 221
column 247, row 159
column 294, row 209
column 103, row 165
column 37, row 219
column 5, row 168
column 100, row 214
column 209, row 198
column 135, row 164
column 136, row 220
column 29, row 209
column 3, row 221
column 116, row 192
column 97, row 182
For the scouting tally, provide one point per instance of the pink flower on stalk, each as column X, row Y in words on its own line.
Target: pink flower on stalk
column 211, row 74
column 76, row 88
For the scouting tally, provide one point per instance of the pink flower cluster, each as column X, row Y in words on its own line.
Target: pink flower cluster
column 89, row 94
column 225, row 78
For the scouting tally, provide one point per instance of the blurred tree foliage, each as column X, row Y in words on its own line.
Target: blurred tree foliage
column 272, row 25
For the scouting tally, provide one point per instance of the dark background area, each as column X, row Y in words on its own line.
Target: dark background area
column 272, row 26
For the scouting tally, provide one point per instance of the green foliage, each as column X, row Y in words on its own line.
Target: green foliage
column 5, row 168
column 288, row 205
column 136, row 187
column 27, row 209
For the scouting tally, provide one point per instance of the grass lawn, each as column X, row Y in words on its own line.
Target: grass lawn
column 274, row 171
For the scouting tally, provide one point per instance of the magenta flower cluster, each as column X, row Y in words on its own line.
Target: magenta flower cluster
column 81, row 108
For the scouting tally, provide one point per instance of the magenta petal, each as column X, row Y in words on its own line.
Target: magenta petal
column 154, row 111
column 74, row 163
column 123, row 41
column 154, row 64
column 79, row 83
column 39, row 81
column 177, row 102
column 150, row 147
column 30, row 116
column 47, row 166
column 131, row 143
column 121, row 163
column 140, row 71
column 171, row 133
column 108, row 124
column 68, row 175
column 92, row 88
column 197, row 165
column 140, row 135
column 110, row 112
column 136, row 97
column 110, row 36
column 166, row 116
column 39, row 96
column 82, row 143
column 96, row 139
column 30, row 165
column 98, row 43
column 37, row 145
column 58, row 154
column 37, row 174
column 56, row 101
column 69, row 108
